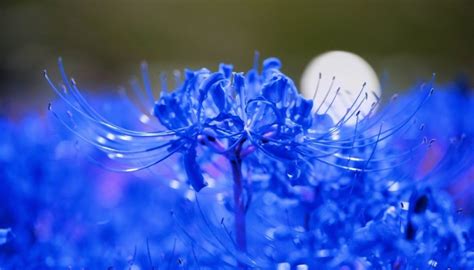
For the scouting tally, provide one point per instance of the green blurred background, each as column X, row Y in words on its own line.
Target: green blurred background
column 103, row 42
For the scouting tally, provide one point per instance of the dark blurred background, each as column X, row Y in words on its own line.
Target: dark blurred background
column 103, row 42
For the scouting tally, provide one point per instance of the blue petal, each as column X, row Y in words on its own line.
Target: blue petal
column 193, row 171
column 218, row 96
column 271, row 63
column 226, row 70
column 275, row 90
column 211, row 80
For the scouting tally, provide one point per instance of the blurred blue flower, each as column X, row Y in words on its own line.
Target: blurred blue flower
column 60, row 212
column 448, row 163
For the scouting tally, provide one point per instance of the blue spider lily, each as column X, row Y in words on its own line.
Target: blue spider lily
column 235, row 115
column 258, row 123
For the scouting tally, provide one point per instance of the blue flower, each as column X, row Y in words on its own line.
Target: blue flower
column 273, row 142
column 234, row 115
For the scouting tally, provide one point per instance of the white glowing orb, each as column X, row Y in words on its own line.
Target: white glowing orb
column 347, row 72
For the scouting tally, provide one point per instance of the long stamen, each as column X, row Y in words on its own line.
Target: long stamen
column 317, row 86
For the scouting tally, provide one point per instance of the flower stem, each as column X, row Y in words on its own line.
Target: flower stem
column 239, row 208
